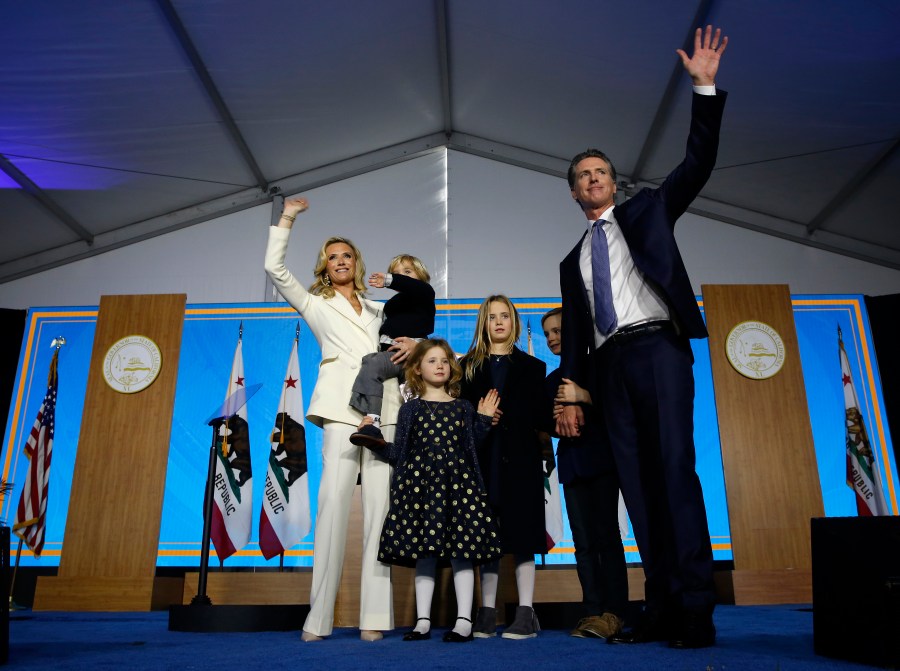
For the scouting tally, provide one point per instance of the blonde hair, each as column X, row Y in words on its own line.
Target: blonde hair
column 413, row 369
column 320, row 287
column 415, row 262
column 481, row 340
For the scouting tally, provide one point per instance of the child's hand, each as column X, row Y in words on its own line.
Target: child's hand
column 489, row 405
column 376, row 280
column 570, row 392
column 365, row 421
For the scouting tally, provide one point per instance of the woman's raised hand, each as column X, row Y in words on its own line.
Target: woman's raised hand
column 292, row 207
column 295, row 205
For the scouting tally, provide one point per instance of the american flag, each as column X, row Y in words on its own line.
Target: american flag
column 32, row 511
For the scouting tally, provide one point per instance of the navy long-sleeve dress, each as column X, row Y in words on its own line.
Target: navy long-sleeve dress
column 511, row 457
column 438, row 504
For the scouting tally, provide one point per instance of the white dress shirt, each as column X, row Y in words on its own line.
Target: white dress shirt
column 634, row 300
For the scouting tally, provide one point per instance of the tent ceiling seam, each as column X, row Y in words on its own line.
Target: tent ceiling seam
column 45, row 200
column 444, row 62
column 854, row 183
column 190, row 50
column 668, row 99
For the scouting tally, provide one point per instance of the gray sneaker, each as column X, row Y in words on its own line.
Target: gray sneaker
column 524, row 626
column 485, row 623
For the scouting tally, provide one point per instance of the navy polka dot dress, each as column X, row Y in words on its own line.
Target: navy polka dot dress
column 438, row 503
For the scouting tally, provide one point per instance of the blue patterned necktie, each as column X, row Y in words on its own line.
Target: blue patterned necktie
column 604, row 312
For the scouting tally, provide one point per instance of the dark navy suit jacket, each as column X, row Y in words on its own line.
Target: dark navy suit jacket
column 647, row 221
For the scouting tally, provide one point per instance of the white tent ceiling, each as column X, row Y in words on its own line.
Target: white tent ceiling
column 120, row 120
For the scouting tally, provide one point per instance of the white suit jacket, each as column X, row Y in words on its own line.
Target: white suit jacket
column 343, row 336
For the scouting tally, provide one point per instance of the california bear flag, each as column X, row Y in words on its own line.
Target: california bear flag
column 863, row 476
column 232, row 515
column 284, row 518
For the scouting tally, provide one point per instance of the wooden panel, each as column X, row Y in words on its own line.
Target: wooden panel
column 273, row 588
column 251, row 589
column 771, row 477
column 112, row 528
column 113, row 521
column 752, row 588
column 561, row 585
column 105, row 594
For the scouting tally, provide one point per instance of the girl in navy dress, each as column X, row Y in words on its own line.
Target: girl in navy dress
column 511, row 457
column 438, row 504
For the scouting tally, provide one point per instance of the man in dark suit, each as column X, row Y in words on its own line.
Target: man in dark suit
column 628, row 314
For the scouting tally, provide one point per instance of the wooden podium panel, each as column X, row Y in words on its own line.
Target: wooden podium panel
column 112, row 529
column 269, row 588
column 771, row 477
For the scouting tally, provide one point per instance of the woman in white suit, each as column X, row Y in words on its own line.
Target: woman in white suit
column 346, row 327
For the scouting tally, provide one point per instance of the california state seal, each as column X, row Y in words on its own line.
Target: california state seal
column 132, row 364
column 755, row 350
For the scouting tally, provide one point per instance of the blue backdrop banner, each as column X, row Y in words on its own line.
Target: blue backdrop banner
column 208, row 342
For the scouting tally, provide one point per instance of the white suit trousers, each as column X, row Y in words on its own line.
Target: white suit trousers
column 341, row 463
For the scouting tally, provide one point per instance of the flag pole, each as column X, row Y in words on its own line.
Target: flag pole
column 36, row 436
column 201, row 598
column 12, row 582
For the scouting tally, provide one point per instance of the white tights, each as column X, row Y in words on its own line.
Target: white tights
column 463, row 584
column 524, row 581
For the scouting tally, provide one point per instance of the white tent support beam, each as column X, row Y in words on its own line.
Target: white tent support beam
column 855, row 182
column 187, row 45
column 359, row 164
column 212, row 209
column 270, row 293
column 45, row 200
column 759, row 222
column 511, row 155
column 795, row 232
column 440, row 7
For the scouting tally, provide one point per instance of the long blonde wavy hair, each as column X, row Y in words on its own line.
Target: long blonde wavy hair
column 481, row 340
column 413, row 371
column 320, row 287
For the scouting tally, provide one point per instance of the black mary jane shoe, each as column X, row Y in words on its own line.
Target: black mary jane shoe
column 418, row 635
column 453, row 637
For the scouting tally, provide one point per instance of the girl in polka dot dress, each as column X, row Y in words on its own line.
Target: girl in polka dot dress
column 438, row 507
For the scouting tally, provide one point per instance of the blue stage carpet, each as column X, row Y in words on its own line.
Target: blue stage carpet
column 774, row 638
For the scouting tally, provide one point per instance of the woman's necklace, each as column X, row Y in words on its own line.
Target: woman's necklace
column 498, row 357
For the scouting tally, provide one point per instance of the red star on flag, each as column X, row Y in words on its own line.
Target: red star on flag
column 290, row 382
column 239, row 381
column 846, row 380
